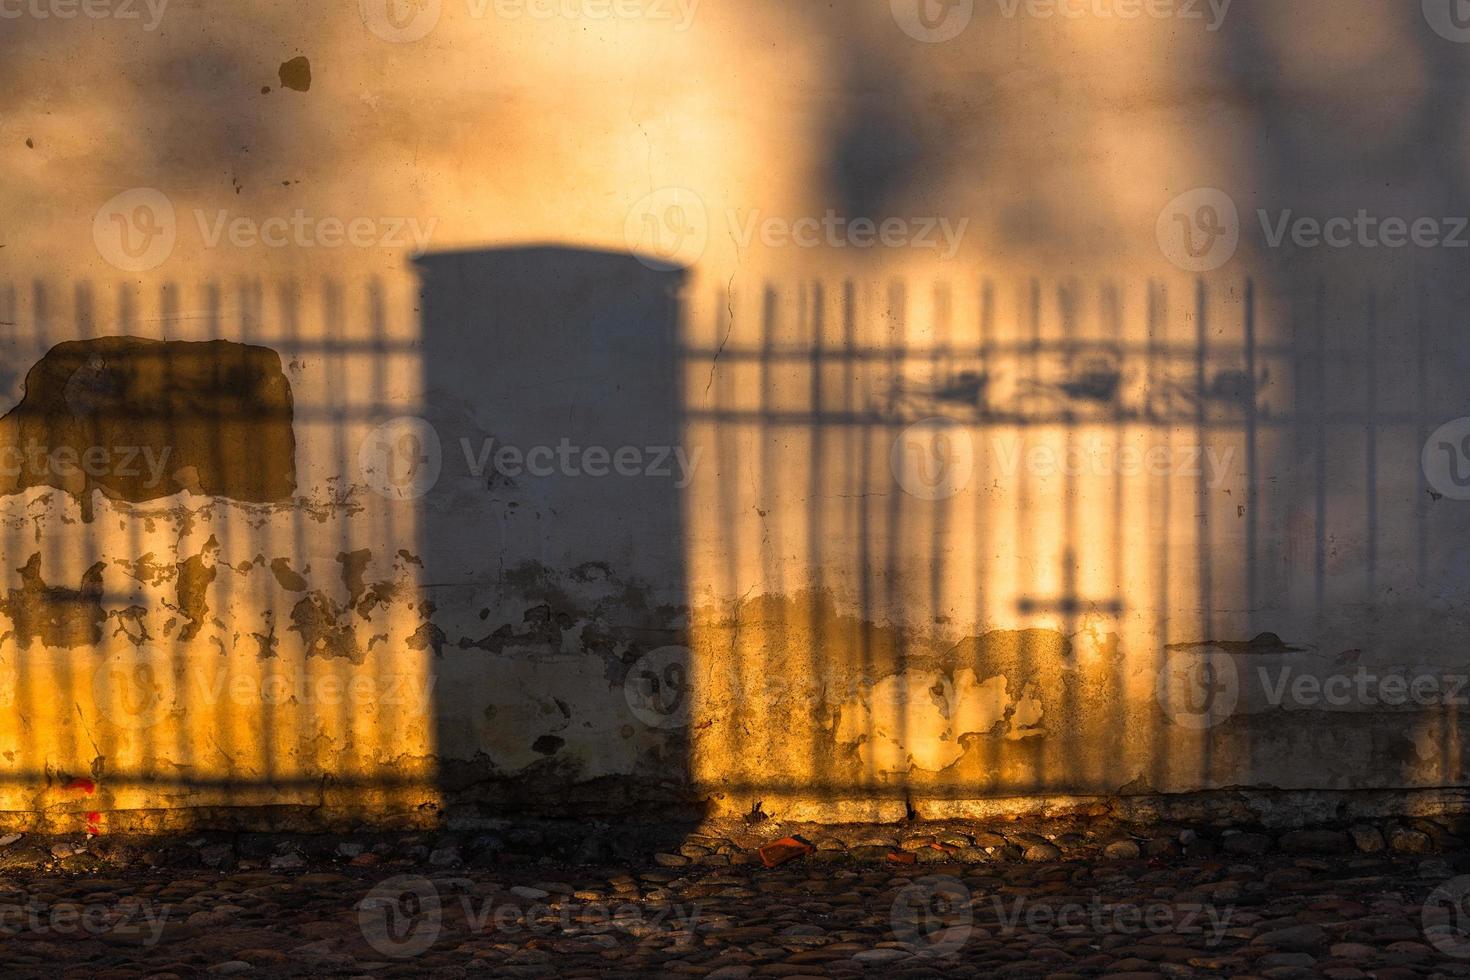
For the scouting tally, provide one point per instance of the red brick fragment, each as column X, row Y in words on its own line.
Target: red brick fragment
column 783, row 850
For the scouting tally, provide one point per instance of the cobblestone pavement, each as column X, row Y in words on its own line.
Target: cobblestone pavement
column 1276, row 915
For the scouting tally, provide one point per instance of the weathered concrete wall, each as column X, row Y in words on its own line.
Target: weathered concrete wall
column 453, row 410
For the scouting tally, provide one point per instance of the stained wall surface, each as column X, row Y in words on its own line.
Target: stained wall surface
column 458, row 409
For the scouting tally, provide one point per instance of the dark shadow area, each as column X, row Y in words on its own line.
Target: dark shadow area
column 1349, row 548
column 553, row 542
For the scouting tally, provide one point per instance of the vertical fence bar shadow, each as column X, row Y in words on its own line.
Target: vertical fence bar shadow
column 1158, row 562
column 534, row 599
column 164, row 646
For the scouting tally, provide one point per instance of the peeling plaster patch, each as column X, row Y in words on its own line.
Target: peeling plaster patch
column 573, row 696
column 539, row 628
column 978, row 707
column 195, row 575
column 286, row 577
column 266, row 641
column 57, row 616
column 902, row 723
column 317, row 619
column 587, row 610
column 364, row 596
column 1001, row 710
column 548, row 650
column 1261, row 645
column 354, row 571
column 131, row 623
column 917, row 719
column 143, row 419
column 147, row 569
column 428, row 636
column 1026, row 718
